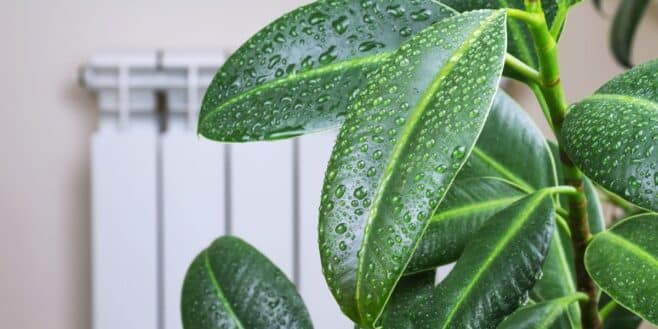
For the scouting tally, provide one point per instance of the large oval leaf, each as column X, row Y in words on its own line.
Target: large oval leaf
column 623, row 261
column 298, row 74
column 468, row 204
column 232, row 285
column 498, row 268
column 627, row 19
column 612, row 135
column 544, row 315
column 402, row 144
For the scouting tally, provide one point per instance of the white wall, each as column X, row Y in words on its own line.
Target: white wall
column 46, row 121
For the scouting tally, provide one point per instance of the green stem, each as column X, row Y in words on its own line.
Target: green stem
column 607, row 309
column 521, row 68
column 551, row 88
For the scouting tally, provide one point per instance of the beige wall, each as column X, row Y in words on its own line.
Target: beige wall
column 46, row 121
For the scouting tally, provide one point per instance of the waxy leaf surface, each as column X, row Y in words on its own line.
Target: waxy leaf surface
column 413, row 298
column 404, row 140
column 612, row 136
column 497, row 269
column 623, row 261
column 299, row 73
column 619, row 318
column 231, row 285
column 544, row 315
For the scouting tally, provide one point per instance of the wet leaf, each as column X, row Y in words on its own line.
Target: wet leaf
column 298, row 74
column 412, row 299
column 612, row 136
column 544, row 315
column 232, row 285
column 623, row 261
column 403, row 142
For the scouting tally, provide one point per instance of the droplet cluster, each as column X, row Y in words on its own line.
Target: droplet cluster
column 404, row 139
column 298, row 73
column 613, row 135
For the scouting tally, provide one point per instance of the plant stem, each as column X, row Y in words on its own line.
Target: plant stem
column 551, row 88
column 521, row 68
column 607, row 309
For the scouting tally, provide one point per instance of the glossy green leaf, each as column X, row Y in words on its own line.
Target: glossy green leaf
column 299, row 73
column 619, row 318
column 412, row 299
column 499, row 266
column 623, row 261
column 402, row 144
column 612, row 135
column 232, row 285
column 627, row 18
column 520, row 42
column 544, row 315
column 491, row 178
column 513, row 148
column 468, row 204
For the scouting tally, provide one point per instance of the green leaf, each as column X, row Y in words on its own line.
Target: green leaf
column 299, row 73
column 611, row 136
column 513, row 148
column 499, row 266
column 492, row 178
column 402, row 144
column 468, row 204
column 413, row 298
column 619, row 318
column 520, row 42
column 542, row 315
column 232, row 285
column 623, row 261
column 627, row 18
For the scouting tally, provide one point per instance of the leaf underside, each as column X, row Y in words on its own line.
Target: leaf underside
column 232, row 285
column 627, row 19
column 623, row 261
column 403, row 142
column 298, row 74
column 612, row 135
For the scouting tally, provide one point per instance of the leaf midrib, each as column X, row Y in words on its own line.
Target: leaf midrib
column 408, row 129
column 356, row 62
column 518, row 222
column 625, row 99
column 632, row 248
column 219, row 292
column 474, row 208
column 501, row 169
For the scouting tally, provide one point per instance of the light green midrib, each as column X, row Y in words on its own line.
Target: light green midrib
column 361, row 61
column 220, row 294
column 625, row 99
column 558, row 306
column 632, row 248
column 473, row 207
column 502, row 170
column 399, row 147
column 518, row 224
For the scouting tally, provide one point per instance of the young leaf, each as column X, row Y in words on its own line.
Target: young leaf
column 412, row 299
column 544, row 315
column 298, row 74
column 402, row 144
column 628, row 17
column 611, row 136
column 623, row 261
column 468, row 204
column 232, row 285
column 520, row 42
column 499, row 266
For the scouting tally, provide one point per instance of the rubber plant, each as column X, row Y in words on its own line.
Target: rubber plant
column 434, row 164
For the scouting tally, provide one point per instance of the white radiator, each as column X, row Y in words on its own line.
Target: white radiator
column 161, row 194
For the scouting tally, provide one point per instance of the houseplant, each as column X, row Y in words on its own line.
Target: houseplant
column 434, row 164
